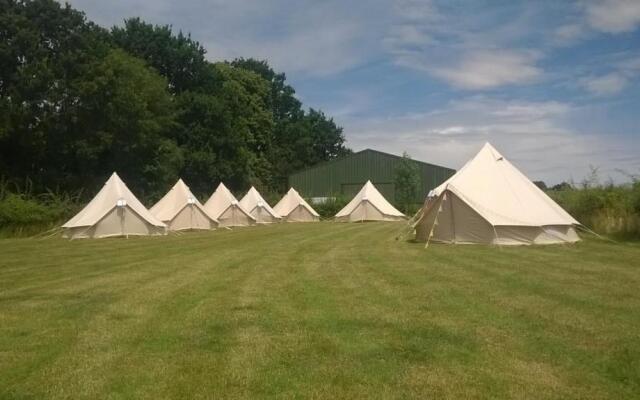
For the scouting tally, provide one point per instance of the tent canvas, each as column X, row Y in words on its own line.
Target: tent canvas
column 224, row 207
column 114, row 211
column 258, row 207
column 369, row 205
column 293, row 208
column 490, row 201
column 179, row 209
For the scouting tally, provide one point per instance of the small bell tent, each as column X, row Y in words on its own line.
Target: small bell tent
column 258, row 207
column 224, row 207
column 369, row 205
column 114, row 211
column 179, row 209
column 293, row 208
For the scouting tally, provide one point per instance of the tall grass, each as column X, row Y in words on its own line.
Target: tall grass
column 606, row 208
column 23, row 213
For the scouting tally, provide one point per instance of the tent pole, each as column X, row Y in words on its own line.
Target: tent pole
column 453, row 221
column 435, row 221
column 122, row 222
column 364, row 211
column 496, row 236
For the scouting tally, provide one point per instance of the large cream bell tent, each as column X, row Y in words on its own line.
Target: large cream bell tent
column 114, row 211
column 179, row 209
column 490, row 201
column 224, row 207
column 258, row 207
column 369, row 205
column 293, row 208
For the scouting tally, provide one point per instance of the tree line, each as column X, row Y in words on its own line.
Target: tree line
column 78, row 101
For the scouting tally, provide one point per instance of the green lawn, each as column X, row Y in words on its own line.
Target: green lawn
column 316, row 310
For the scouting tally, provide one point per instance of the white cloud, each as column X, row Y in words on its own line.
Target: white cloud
column 490, row 68
column 605, row 85
column 597, row 16
column 306, row 37
column 535, row 135
column 406, row 35
column 451, row 130
column 465, row 50
column 314, row 50
column 569, row 34
column 621, row 75
column 417, row 10
column 613, row 16
column 630, row 66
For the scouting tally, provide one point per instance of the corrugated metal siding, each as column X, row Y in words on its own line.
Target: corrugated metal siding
column 346, row 176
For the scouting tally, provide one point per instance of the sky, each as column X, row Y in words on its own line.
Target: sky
column 553, row 85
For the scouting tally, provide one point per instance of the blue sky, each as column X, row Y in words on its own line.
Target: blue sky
column 554, row 85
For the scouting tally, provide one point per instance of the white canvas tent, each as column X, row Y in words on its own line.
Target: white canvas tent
column 179, row 209
column 114, row 211
column 490, row 201
column 293, row 208
column 369, row 205
column 258, row 207
column 224, row 207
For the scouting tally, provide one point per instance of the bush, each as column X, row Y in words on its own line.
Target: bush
column 607, row 209
column 330, row 207
column 15, row 209
column 635, row 197
column 24, row 214
column 410, row 209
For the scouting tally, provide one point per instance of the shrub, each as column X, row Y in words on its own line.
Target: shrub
column 22, row 213
column 410, row 209
column 607, row 209
column 330, row 207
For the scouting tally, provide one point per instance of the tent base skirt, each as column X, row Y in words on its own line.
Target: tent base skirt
column 120, row 221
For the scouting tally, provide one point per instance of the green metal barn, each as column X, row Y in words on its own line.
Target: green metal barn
column 346, row 175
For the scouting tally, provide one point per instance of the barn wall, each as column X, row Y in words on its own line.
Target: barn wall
column 345, row 176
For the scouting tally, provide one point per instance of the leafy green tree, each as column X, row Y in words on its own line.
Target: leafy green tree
column 78, row 101
column 300, row 139
column 122, row 121
column 178, row 58
column 227, row 132
column 541, row 184
column 407, row 182
column 44, row 49
column 225, row 127
column 282, row 101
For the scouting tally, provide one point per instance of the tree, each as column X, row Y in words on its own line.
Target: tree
column 121, row 120
column 178, row 58
column 282, row 102
column 227, row 132
column 300, row 139
column 78, row 101
column 562, row 186
column 541, row 185
column 407, row 182
column 44, row 49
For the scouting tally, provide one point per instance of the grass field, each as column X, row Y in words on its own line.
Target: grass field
column 316, row 310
